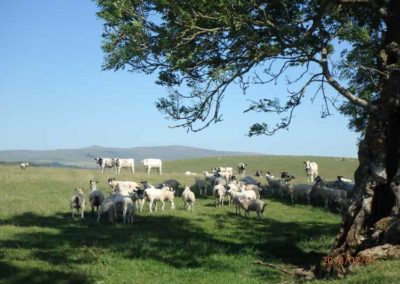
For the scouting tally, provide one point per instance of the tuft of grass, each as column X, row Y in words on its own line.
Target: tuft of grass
column 40, row 243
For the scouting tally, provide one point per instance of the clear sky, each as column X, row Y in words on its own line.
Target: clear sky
column 54, row 95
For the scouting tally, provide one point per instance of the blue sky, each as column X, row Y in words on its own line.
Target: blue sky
column 54, row 95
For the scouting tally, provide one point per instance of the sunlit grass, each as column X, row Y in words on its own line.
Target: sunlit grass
column 40, row 243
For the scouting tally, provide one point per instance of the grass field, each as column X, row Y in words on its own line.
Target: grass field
column 40, row 243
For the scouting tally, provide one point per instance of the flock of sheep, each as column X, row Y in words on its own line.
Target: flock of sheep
column 127, row 197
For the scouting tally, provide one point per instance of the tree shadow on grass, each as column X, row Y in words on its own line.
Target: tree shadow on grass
column 173, row 240
column 13, row 274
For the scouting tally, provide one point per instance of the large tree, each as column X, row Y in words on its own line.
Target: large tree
column 201, row 47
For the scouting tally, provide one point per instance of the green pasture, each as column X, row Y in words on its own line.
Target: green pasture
column 40, row 243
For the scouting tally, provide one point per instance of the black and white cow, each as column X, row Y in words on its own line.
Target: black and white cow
column 105, row 163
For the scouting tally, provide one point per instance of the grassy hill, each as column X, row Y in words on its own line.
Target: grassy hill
column 84, row 157
column 40, row 243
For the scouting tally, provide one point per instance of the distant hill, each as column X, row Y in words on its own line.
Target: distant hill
column 84, row 157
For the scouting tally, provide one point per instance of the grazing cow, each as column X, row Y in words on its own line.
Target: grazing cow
column 242, row 169
column 125, row 163
column 24, row 165
column 311, row 170
column 152, row 163
column 105, row 163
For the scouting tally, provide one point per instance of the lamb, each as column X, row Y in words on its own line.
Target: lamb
column 96, row 197
column 256, row 205
column 153, row 194
column 188, row 198
column 219, row 193
column 78, row 202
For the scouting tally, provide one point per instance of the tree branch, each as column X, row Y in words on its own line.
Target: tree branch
column 338, row 87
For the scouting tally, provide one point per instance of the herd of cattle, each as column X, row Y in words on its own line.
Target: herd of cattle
column 245, row 192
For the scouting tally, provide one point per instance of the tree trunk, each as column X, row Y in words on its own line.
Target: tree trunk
column 370, row 228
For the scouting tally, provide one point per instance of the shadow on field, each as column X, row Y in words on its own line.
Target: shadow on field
column 17, row 275
column 173, row 240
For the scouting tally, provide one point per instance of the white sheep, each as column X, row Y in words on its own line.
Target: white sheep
column 256, row 205
column 96, row 197
column 301, row 191
column 219, row 193
column 153, row 195
column 188, row 198
column 124, row 187
column 188, row 173
column 236, row 195
column 107, row 207
column 78, row 202
column 125, row 205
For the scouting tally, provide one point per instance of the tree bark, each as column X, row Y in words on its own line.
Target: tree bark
column 370, row 228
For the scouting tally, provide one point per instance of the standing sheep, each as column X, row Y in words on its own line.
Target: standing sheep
column 219, row 193
column 256, row 205
column 188, row 198
column 78, row 202
column 96, row 197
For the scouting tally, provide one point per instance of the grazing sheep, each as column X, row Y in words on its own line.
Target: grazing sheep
column 188, row 173
column 78, row 202
column 96, row 197
column 23, row 166
column 188, row 198
column 256, row 205
column 258, row 173
column 153, row 195
column 219, row 193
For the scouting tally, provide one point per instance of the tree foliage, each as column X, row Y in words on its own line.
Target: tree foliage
column 201, row 47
